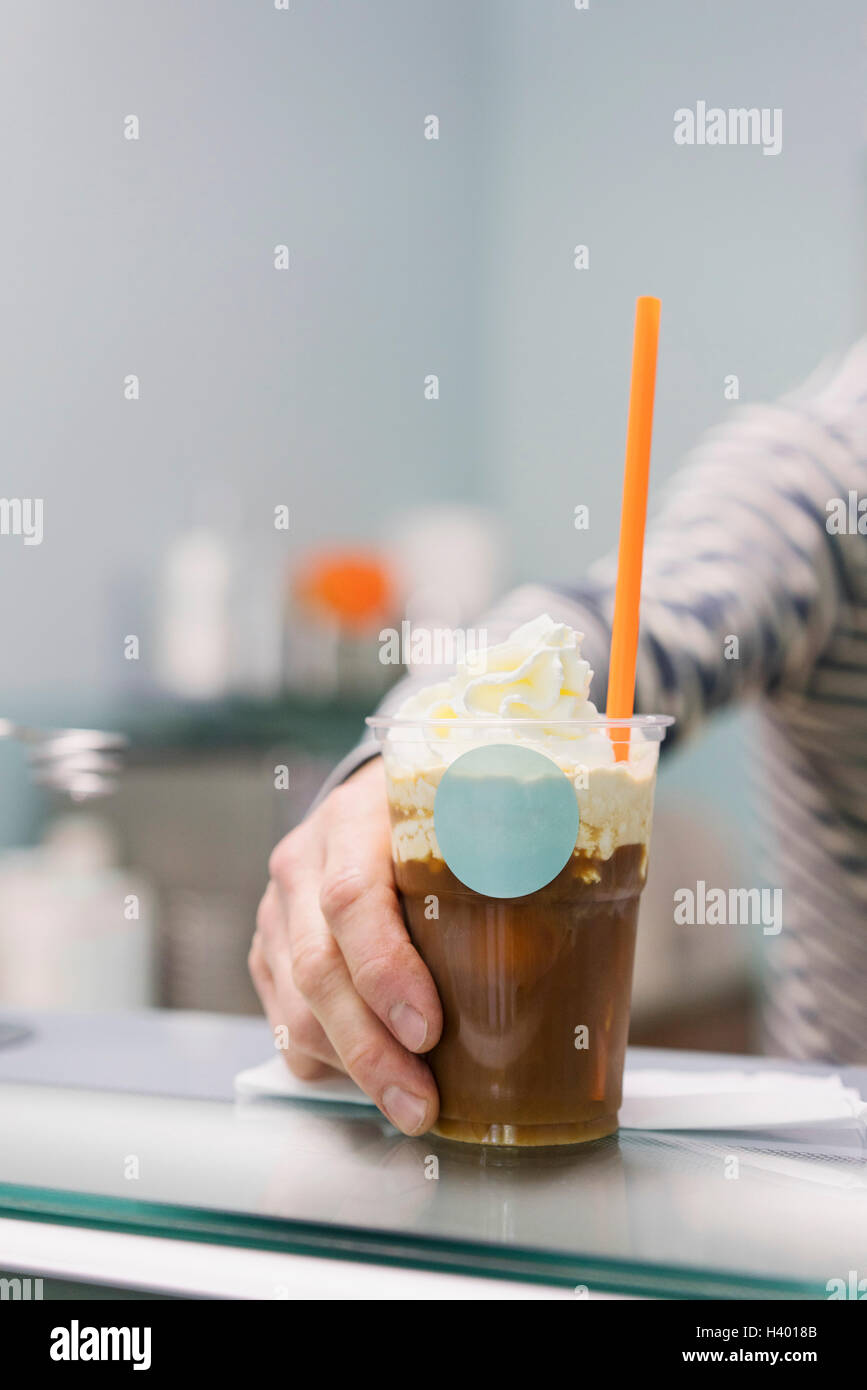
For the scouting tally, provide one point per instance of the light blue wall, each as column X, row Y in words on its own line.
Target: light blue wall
column 156, row 257
column 758, row 259
column 408, row 257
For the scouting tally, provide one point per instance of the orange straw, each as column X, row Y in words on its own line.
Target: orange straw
column 624, row 632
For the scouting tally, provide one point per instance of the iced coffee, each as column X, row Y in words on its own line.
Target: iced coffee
column 535, row 985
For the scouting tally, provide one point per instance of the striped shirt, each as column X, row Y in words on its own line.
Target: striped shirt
column 757, row 539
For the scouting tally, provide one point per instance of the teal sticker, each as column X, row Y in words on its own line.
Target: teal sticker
column 506, row 820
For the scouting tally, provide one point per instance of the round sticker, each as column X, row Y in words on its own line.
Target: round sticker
column 506, row 819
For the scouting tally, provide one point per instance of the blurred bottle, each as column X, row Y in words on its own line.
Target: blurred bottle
column 448, row 560
column 76, row 930
column 218, row 627
column 194, row 634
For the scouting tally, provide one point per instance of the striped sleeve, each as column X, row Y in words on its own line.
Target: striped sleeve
column 743, row 582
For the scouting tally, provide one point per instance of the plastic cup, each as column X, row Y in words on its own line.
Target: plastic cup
column 520, row 851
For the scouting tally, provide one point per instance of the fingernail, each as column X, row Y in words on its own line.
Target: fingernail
column 409, row 1025
column 406, row 1110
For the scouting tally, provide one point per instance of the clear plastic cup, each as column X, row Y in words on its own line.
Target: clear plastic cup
column 524, row 912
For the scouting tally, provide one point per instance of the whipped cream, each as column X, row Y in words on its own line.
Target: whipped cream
column 537, row 675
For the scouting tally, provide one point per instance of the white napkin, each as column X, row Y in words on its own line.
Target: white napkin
column 273, row 1078
column 736, row 1100
column 653, row 1098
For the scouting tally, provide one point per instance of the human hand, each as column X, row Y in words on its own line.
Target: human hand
column 332, row 962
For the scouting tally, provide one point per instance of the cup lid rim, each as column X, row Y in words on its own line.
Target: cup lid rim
column 635, row 721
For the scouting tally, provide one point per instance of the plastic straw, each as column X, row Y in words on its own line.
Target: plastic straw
column 624, row 632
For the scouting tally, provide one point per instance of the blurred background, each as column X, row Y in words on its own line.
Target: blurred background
column 277, row 363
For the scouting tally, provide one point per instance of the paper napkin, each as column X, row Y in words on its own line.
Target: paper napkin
column 653, row 1098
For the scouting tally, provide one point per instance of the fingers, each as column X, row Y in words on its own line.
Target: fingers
column 397, row 1081
column 308, row 1053
column 359, row 903
column 332, row 960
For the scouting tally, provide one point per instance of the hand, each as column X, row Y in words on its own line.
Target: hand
column 331, row 959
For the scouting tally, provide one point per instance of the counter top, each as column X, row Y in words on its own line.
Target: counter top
column 128, row 1123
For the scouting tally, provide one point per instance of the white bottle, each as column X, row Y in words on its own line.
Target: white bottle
column 76, row 930
column 194, row 623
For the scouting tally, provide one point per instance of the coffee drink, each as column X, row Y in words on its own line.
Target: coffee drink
column 535, row 994
column 535, row 988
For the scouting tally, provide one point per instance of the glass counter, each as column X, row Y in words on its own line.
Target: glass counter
column 128, row 1123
